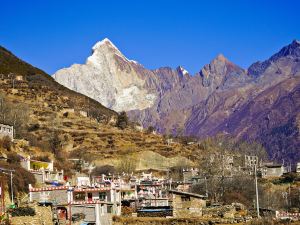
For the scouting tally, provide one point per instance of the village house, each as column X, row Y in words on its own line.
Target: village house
column 151, row 191
column 272, row 170
column 187, row 204
column 189, row 173
column 81, row 164
column 251, row 161
column 298, row 167
column 6, row 130
column 43, row 172
column 19, row 78
column 225, row 162
column 97, row 204
column 83, row 181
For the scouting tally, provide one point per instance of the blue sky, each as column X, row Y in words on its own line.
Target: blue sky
column 57, row 33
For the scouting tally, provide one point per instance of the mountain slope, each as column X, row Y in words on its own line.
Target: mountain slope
column 266, row 110
column 53, row 119
column 38, row 79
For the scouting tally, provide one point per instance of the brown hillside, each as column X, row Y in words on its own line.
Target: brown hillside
column 55, row 121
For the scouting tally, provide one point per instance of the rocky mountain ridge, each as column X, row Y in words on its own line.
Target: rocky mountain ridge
column 215, row 100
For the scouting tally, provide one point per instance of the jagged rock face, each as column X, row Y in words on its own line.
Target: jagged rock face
column 266, row 109
column 219, row 72
column 222, row 97
column 180, row 92
column 287, row 56
column 108, row 77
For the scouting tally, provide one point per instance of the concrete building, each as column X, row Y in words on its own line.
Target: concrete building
column 6, row 130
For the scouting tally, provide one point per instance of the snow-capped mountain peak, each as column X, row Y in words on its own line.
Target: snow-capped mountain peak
column 106, row 48
column 104, row 42
column 108, row 77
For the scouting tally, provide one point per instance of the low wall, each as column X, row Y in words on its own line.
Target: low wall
column 158, row 221
column 43, row 216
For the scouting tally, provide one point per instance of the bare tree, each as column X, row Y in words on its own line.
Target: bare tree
column 126, row 165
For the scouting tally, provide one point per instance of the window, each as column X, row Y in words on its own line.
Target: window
column 102, row 196
column 185, row 198
column 80, row 196
column 109, row 209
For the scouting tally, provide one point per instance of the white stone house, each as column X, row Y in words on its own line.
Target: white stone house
column 43, row 171
column 97, row 204
column 251, row 161
column 7, row 130
column 276, row 170
column 298, row 167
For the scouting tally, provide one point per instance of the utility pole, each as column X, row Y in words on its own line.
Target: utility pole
column 256, row 191
column 2, row 197
column 11, row 188
column 206, row 190
column 11, row 182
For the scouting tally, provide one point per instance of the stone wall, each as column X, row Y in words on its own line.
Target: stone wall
column 43, row 216
column 88, row 211
column 158, row 221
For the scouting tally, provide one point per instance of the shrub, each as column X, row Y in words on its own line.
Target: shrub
column 13, row 158
column 6, row 143
column 21, row 177
column 106, row 169
column 150, row 129
column 34, row 127
column 122, row 120
column 23, row 211
column 44, row 158
column 126, row 165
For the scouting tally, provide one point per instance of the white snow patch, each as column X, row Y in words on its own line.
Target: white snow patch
column 183, row 71
column 104, row 42
column 133, row 61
